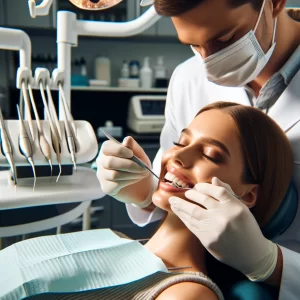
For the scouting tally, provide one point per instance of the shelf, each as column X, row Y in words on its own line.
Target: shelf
column 118, row 89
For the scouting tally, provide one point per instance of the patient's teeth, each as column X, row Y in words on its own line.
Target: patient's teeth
column 172, row 177
column 181, row 183
column 175, row 180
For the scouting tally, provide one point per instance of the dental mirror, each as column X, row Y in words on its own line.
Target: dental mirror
column 95, row 4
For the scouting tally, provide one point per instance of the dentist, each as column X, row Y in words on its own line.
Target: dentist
column 246, row 51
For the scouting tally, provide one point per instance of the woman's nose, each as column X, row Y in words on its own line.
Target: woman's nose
column 184, row 157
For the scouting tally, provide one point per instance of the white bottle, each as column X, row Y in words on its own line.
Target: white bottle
column 125, row 70
column 146, row 74
column 160, row 69
column 102, row 69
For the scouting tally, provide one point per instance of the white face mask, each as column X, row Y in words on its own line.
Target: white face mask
column 239, row 63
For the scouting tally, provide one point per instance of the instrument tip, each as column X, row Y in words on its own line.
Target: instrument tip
column 59, row 172
column 74, row 160
column 51, row 168
column 75, row 166
column 30, row 160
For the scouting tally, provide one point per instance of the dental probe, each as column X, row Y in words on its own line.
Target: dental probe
column 55, row 140
column 7, row 149
column 133, row 158
column 53, row 111
column 69, row 134
column 70, row 117
column 25, row 145
column 27, row 109
column 43, row 143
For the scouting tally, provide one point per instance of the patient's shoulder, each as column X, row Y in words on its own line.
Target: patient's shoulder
column 187, row 291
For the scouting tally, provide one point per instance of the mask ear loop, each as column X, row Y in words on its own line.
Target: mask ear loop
column 274, row 31
column 259, row 16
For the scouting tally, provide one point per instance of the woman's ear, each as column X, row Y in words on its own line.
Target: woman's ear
column 250, row 197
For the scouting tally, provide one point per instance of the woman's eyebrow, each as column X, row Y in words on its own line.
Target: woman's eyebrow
column 209, row 141
column 216, row 143
column 186, row 131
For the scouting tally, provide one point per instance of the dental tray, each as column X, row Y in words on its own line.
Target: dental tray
column 83, row 185
column 85, row 140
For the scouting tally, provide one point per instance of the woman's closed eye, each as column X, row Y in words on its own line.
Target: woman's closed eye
column 216, row 158
column 178, row 144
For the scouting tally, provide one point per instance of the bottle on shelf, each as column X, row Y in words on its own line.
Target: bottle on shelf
column 146, row 74
column 160, row 75
column 134, row 67
column 125, row 70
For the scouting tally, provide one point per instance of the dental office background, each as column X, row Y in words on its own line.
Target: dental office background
column 95, row 61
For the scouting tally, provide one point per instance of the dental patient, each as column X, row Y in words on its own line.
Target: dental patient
column 236, row 144
column 227, row 142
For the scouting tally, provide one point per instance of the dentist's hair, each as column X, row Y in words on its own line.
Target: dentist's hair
column 267, row 154
column 172, row 8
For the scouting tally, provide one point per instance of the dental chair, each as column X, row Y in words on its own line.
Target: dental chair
column 244, row 289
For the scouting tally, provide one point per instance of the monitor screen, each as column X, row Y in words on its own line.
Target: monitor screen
column 153, row 107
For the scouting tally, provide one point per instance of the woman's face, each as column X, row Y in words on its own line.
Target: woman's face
column 208, row 148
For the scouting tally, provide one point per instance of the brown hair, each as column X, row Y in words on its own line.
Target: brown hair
column 267, row 154
column 171, row 8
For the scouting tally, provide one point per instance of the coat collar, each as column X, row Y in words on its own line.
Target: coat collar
column 286, row 111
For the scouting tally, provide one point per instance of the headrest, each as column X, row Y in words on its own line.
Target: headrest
column 284, row 216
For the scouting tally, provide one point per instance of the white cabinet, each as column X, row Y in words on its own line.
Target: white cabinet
column 17, row 15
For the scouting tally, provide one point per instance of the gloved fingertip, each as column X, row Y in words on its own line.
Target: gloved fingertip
column 125, row 140
column 188, row 193
column 215, row 181
column 172, row 200
column 198, row 186
column 129, row 142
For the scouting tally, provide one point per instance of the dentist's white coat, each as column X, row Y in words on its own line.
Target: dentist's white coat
column 188, row 92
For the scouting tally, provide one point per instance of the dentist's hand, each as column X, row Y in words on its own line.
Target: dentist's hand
column 227, row 229
column 122, row 178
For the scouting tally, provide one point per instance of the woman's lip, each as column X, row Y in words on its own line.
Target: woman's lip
column 173, row 171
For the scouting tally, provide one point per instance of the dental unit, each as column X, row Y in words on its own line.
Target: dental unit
column 55, row 139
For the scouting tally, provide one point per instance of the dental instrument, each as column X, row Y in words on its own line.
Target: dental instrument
column 43, row 143
column 53, row 110
column 67, row 108
column 27, row 109
column 69, row 134
column 25, row 145
column 54, row 133
column 133, row 158
column 7, row 149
